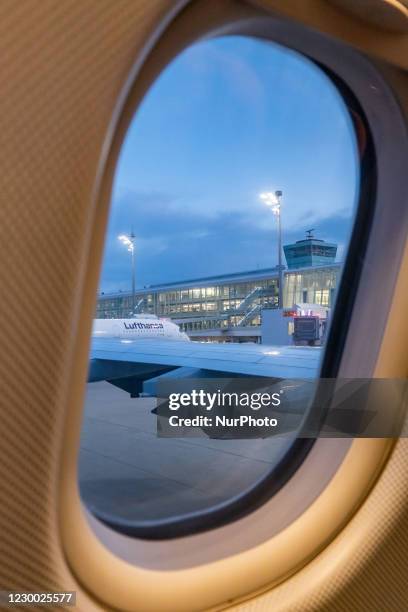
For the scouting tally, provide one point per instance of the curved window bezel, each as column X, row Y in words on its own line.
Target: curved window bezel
column 266, row 487
column 266, row 547
column 388, row 129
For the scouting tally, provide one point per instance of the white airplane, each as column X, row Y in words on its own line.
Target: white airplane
column 144, row 327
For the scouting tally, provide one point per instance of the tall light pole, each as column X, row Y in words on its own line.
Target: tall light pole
column 129, row 242
column 273, row 200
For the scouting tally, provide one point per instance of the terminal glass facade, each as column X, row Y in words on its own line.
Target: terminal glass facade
column 311, row 286
column 231, row 302
column 198, row 306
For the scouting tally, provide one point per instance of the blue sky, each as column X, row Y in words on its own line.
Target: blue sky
column 229, row 118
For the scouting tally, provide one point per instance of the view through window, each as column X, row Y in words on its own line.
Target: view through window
column 232, row 207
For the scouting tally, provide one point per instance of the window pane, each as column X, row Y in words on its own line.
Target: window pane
column 238, row 144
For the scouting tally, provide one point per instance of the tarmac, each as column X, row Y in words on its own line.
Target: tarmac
column 127, row 471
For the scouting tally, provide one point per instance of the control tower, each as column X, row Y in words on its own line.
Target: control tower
column 309, row 252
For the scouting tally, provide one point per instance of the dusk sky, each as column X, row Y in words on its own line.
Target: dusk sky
column 229, row 118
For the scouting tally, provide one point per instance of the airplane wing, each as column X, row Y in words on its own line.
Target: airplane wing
column 136, row 365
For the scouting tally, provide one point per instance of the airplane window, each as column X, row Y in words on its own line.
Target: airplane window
column 232, row 207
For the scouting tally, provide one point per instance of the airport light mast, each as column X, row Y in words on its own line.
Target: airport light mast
column 273, row 200
column 129, row 242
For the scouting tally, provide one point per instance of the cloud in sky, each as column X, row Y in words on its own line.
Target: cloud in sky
column 229, row 118
column 173, row 245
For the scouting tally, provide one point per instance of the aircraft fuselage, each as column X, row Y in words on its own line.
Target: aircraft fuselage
column 143, row 328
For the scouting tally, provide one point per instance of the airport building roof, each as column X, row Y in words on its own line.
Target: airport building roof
column 235, row 277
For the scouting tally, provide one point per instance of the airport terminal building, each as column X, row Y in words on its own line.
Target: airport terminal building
column 231, row 305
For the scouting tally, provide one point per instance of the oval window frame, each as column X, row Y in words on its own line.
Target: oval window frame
column 83, row 544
